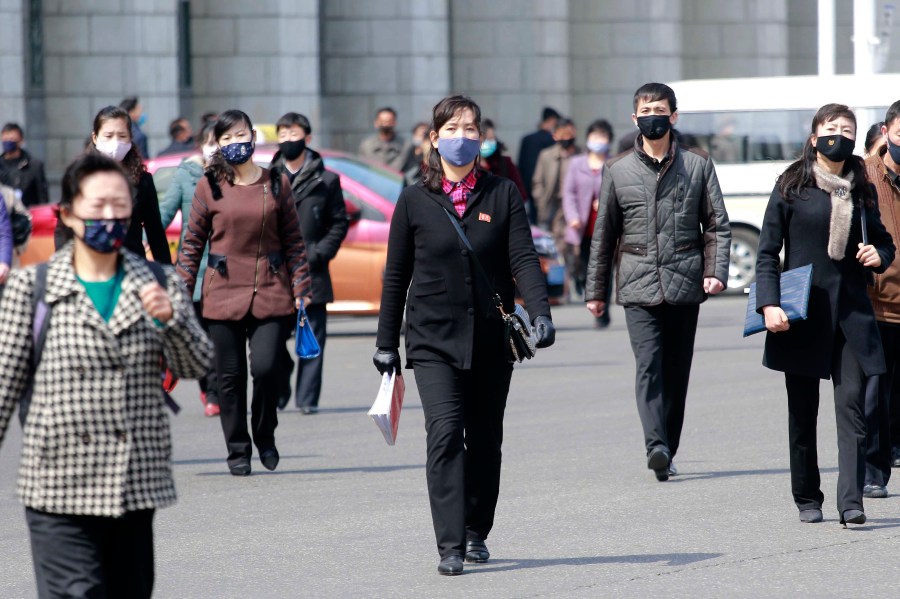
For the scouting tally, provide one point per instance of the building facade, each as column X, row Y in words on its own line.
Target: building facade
column 338, row 60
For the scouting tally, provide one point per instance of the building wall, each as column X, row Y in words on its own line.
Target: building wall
column 338, row 60
column 95, row 54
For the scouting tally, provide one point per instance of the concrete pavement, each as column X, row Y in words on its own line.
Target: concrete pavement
column 579, row 514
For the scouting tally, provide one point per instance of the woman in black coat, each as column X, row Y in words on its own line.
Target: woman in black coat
column 454, row 338
column 815, row 214
column 111, row 137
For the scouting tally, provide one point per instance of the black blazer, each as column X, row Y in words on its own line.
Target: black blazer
column 838, row 297
column 448, row 307
column 323, row 219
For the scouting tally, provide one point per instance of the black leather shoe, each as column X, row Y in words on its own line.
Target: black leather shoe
column 283, row 401
column 810, row 516
column 269, row 458
column 853, row 517
column 240, row 469
column 477, row 552
column 658, row 461
column 452, row 565
column 875, row 491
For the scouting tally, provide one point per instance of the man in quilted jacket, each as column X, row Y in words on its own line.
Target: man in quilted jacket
column 663, row 220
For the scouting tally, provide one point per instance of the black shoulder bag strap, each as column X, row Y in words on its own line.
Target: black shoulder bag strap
column 40, row 322
column 498, row 301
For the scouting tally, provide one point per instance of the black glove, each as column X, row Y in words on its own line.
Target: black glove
column 387, row 359
column 544, row 331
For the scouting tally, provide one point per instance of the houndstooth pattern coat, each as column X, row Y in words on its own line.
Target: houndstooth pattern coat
column 96, row 440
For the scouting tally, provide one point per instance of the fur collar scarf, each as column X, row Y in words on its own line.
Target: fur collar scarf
column 841, row 209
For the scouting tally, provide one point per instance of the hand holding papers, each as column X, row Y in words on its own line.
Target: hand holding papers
column 386, row 409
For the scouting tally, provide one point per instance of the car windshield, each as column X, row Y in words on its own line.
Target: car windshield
column 383, row 182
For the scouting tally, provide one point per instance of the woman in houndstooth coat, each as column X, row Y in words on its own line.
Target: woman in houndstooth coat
column 96, row 455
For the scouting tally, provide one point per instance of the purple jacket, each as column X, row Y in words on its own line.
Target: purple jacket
column 6, row 238
column 579, row 188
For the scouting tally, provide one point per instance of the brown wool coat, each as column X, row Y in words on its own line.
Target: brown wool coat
column 885, row 294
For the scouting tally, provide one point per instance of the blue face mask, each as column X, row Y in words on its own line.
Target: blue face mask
column 459, row 151
column 105, row 235
column 238, row 152
column 142, row 119
column 598, row 147
column 488, row 147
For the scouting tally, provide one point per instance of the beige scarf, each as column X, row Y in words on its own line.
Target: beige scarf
column 841, row 209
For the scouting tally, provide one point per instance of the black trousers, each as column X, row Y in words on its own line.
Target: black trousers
column 662, row 339
column 309, row 372
column 92, row 557
column 209, row 384
column 849, row 382
column 464, row 428
column 879, row 410
column 267, row 339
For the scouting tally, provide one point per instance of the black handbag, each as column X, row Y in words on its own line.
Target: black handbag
column 517, row 341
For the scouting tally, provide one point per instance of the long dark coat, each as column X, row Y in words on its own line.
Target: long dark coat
column 838, row 297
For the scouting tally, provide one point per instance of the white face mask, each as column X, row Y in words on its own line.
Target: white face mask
column 208, row 151
column 113, row 148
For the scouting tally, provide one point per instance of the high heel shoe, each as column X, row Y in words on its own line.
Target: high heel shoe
column 853, row 517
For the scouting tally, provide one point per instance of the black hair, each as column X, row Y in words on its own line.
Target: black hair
column 874, row 133
column 206, row 130
column 653, row 92
column 563, row 122
column 601, row 126
column 420, row 124
column 800, row 174
column 133, row 163
column 177, row 127
column 13, row 127
column 208, row 117
column 893, row 113
column 294, row 118
column 218, row 169
column 129, row 103
column 80, row 169
column 443, row 111
column 385, row 109
column 549, row 113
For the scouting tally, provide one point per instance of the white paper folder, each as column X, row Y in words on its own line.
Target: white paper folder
column 386, row 409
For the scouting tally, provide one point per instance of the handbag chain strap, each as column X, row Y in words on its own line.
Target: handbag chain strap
column 498, row 301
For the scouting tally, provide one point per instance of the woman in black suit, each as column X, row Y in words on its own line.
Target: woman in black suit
column 815, row 214
column 454, row 338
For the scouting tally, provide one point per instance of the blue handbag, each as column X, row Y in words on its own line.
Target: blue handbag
column 307, row 347
column 795, row 286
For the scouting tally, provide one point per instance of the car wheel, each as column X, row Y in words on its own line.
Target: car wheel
column 742, row 270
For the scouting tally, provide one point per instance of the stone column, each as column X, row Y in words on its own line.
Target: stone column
column 391, row 53
column 261, row 57
column 97, row 53
column 12, row 62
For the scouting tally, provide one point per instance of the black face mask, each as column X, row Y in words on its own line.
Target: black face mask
column 291, row 150
column 386, row 130
column 654, row 126
column 835, row 148
column 565, row 144
column 894, row 151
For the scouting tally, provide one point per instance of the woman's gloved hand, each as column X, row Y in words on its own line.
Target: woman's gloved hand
column 544, row 331
column 387, row 359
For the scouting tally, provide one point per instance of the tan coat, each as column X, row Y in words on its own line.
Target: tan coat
column 546, row 187
column 885, row 294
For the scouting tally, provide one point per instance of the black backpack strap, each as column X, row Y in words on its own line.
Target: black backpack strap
column 40, row 322
column 158, row 271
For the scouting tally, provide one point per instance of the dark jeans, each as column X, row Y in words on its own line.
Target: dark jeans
column 92, row 556
column 879, row 410
column 309, row 372
column 267, row 339
column 464, row 432
column 662, row 339
column 209, row 384
column 803, row 408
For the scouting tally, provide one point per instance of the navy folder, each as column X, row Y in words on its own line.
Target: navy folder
column 795, row 284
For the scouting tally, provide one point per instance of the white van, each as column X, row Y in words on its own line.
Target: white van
column 755, row 127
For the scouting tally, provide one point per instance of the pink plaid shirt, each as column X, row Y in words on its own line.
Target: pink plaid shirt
column 460, row 191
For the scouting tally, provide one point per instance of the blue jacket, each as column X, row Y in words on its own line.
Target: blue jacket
column 179, row 196
column 6, row 238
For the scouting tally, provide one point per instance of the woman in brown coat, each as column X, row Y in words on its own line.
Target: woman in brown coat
column 256, row 276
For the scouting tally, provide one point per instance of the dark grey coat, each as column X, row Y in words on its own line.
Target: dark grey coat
column 838, row 297
column 668, row 225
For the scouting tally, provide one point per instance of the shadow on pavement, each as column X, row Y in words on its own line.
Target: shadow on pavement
column 670, row 559
column 347, row 410
column 363, row 469
column 692, row 476
column 221, row 460
column 877, row 523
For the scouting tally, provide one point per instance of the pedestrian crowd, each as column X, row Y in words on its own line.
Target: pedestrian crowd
column 87, row 337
